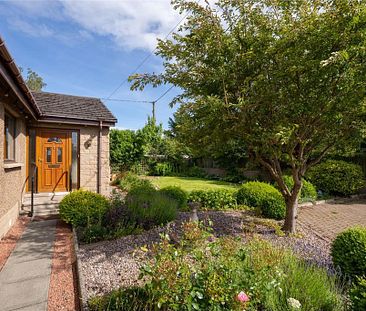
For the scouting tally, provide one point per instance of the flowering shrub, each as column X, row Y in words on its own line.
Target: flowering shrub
column 202, row 272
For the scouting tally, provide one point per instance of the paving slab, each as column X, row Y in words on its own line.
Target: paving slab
column 329, row 219
column 25, row 278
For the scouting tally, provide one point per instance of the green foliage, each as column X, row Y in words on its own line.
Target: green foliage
column 162, row 169
column 148, row 208
column 130, row 181
column 214, row 199
column 126, row 149
column 194, row 171
column 33, row 80
column 83, row 208
column 358, row 294
column 266, row 198
column 131, row 299
column 284, row 77
column 205, row 273
column 349, row 252
column 308, row 190
column 177, row 194
column 337, row 177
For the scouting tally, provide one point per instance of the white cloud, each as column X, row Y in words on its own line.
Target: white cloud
column 32, row 29
column 132, row 24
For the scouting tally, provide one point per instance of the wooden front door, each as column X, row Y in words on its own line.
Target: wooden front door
column 53, row 157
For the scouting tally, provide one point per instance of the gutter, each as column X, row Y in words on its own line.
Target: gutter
column 18, row 79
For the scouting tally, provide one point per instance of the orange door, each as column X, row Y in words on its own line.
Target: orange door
column 53, row 156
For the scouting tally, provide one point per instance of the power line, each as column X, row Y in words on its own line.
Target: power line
column 147, row 57
column 126, row 100
column 166, row 92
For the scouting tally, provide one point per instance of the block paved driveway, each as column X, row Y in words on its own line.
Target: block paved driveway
column 328, row 219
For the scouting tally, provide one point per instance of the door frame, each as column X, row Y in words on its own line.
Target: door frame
column 38, row 137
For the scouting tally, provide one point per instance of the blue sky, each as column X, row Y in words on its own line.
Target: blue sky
column 88, row 48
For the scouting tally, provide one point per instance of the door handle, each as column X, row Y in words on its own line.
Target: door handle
column 39, row 160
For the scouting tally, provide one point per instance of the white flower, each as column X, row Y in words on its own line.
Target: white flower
column 294, row 303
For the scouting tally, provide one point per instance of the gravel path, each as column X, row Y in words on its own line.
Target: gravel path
column 63, row 294
column 111, row 264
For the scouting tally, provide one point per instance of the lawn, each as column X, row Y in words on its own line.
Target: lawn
column 192, row 183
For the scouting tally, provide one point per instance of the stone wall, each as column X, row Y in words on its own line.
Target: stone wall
column 12, row 176
column 89, row 159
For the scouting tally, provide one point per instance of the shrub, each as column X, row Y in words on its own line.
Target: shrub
column 358, row 294
column 308, row 190
column 204, row 273
column 83, row 208
column 337, row 177
column 264, row 197
column 150, row 208
column 177, row 194
column 349, row 251
column 130, row 181
column 162, row 169
column 214, row 199
column 132, row 299
column 194, row 171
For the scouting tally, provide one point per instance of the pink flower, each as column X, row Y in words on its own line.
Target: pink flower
column 242, row 297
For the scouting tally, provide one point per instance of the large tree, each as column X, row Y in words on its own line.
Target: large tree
column 288, row 77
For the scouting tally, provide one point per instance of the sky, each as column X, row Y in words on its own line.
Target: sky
column 89, row 48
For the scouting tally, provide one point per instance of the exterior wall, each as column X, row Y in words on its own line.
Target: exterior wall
column 89, row 159
column 12, row 180
column 88, row 175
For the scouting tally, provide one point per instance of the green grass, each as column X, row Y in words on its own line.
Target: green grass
column 191, row 183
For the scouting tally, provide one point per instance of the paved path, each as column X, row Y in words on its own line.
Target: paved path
column 329, row 219
column 25, row 278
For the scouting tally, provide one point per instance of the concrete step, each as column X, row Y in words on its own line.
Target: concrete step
column 44, row 204
column 40, row 202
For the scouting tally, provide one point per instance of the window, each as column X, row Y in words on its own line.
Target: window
column 9, row 133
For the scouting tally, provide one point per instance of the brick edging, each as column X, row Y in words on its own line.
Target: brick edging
column 333, row 200
column 79, row 275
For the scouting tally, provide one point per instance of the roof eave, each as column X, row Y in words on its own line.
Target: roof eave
column 15, row 80
column 76, row 121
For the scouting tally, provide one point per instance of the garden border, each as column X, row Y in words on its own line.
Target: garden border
column 80, row 279
column 333, row 200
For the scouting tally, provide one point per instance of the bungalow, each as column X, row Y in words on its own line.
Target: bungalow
column 60, row 142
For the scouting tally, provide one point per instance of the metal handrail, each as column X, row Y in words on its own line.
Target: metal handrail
column 35, row 172
column 62, row 175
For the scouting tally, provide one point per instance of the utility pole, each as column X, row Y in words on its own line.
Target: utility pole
column 153, row 110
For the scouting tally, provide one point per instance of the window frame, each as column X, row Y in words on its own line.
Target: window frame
column 8, row 116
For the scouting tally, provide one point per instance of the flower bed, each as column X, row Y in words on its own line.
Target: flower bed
column 108, row 265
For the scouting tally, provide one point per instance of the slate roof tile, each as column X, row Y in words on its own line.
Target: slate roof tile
column 72, row 107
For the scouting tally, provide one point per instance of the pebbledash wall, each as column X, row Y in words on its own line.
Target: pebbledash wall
column 12, row 176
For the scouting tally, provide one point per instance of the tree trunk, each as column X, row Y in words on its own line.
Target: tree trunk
column 291, row 214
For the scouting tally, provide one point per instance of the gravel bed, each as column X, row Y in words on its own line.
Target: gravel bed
column 63, row 293
column 108, row 265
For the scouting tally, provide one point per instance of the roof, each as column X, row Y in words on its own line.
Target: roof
column 11, row 67
column 72, row 107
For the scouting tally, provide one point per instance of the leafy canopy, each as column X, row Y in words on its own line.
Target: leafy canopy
column 33, row 80
column 285, row 77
